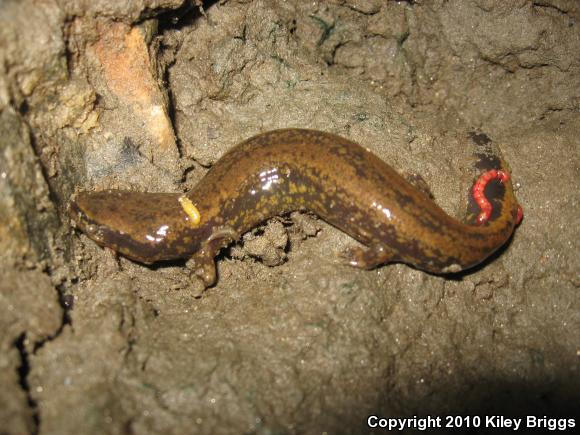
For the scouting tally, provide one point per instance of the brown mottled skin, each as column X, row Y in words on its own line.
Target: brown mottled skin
column 286, row 170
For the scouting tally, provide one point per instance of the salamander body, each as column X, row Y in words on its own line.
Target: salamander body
column 286, row 170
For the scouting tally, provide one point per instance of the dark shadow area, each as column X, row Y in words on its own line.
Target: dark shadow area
column 23, row 372
column 182, row 17
column 545, row 407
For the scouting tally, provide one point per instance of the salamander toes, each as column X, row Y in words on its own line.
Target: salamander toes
column 202, row 264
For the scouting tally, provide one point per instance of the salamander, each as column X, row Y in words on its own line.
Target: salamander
column 281, row 171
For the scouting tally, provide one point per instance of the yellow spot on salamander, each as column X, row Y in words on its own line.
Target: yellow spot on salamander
column 294, row 188
column 190, row 210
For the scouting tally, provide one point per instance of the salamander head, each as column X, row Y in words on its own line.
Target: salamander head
column 146, row 227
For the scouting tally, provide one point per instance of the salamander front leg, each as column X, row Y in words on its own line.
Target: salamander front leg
column 202, row 264
column 368, row 258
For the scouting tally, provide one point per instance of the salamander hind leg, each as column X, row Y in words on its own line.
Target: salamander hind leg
column 369, row 258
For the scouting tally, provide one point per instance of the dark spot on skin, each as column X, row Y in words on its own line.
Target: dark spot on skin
column 412, row 249
column 403, row 199
column 429, row 222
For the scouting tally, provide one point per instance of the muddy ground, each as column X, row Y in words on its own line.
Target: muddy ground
column 146, row 95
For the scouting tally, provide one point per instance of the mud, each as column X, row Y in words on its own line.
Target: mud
column 146, row 95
